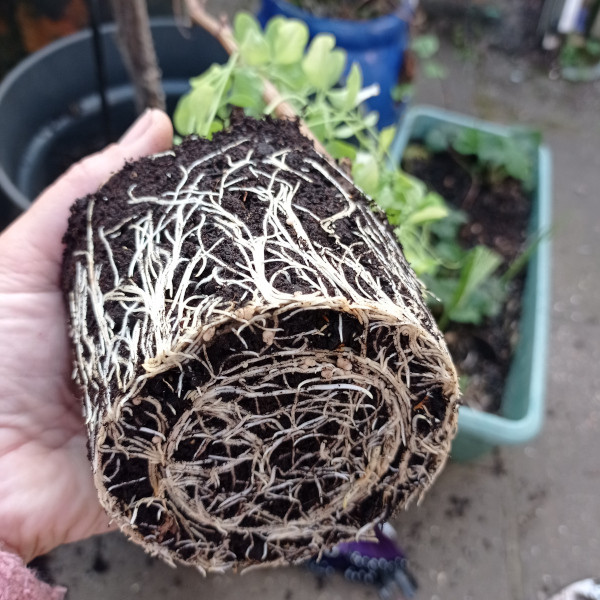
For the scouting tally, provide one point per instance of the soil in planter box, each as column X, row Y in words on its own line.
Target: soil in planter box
column 498, row 218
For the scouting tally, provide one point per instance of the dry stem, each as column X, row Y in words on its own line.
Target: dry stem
column 137, row 49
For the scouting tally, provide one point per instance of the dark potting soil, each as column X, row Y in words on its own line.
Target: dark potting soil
column 336, row 332
column 352, row 10
column 156, row 176
column 498, row 217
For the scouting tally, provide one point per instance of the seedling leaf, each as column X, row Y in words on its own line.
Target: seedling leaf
column 323, row 65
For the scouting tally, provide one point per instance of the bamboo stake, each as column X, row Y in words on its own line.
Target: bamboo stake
column 137, row 49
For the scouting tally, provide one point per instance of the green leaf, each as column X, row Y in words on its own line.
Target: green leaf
column 245, row 24
column 427, row 214
column 347, row 97
column 345, row 131
column 388, row 201
column 434, row 70
column 403, row 92
column 254, row 49
column 215, row 126
column 365, row 172
column 422, row 262
column 322, row 65
column 438, row 139
column 593, row 47
column 371, row 119
column 386, row 137
column 272, row 28
column 448, row 228
column 354, row 83
column 467, row 141
column 481, row 262
column 287, row 39
column 486, row 301
column 246, row 90
column 442, row 288
column 196, row 110
column 339, row 150
column 425, row 46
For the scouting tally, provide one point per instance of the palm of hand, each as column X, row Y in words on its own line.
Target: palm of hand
column 46, row 492
column 47, row 495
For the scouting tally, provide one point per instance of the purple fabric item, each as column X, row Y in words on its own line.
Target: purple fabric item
column 17, row 582
column 380, row 563
column 384, row 547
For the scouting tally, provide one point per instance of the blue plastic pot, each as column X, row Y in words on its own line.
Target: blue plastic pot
column 50, row 110
column 521, row 414
column 378, row 46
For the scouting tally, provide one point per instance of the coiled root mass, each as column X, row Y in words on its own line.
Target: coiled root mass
column 260, row 376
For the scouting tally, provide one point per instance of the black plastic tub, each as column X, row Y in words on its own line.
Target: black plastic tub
column 50, row 107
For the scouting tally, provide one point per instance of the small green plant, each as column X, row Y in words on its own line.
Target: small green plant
column 468, row 287
column 579, row 58
column 308, row 76
column 424, row 47
column 493, row 158
column 578, row 51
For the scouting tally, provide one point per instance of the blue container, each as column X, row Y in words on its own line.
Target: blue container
column 521, row 414
column 377, row 45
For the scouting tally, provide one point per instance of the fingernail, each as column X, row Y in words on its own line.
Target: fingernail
column 138, row 129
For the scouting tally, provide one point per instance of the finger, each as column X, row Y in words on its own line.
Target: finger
column 33, row 242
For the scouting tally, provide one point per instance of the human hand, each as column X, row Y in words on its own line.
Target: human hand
column 47, row 495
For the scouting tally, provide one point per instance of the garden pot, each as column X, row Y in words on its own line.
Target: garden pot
column 521, row 414
column 377, row 45
column 50, row 108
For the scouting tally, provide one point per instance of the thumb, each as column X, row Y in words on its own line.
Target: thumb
column 32, row 244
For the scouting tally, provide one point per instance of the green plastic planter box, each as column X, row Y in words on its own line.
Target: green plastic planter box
column 521, row 413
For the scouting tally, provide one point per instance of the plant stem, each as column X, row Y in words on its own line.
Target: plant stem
column 471, row 196
column 220, row 29
column 137, row 49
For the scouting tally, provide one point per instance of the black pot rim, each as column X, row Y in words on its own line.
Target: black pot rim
column 7, row 186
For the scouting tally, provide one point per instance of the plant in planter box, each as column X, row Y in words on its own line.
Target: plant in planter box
column 499, row 180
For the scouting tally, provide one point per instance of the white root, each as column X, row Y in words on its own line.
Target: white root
column 214, row 491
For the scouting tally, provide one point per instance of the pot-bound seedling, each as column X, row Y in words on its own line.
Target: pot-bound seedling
column 261, row 376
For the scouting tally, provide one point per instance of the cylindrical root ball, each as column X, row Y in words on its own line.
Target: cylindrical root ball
column 261, row 377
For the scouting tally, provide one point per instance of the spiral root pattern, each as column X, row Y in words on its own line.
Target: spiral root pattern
column 261, row 378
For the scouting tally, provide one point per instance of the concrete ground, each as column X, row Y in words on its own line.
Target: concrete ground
column 523, row 522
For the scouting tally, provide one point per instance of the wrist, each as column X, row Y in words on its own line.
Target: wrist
column 10, row 549
column 18, row 582
column 4, row 547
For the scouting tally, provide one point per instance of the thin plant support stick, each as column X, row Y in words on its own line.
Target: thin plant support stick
column 100, row 68
column 220, row 29
column 137, row 49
